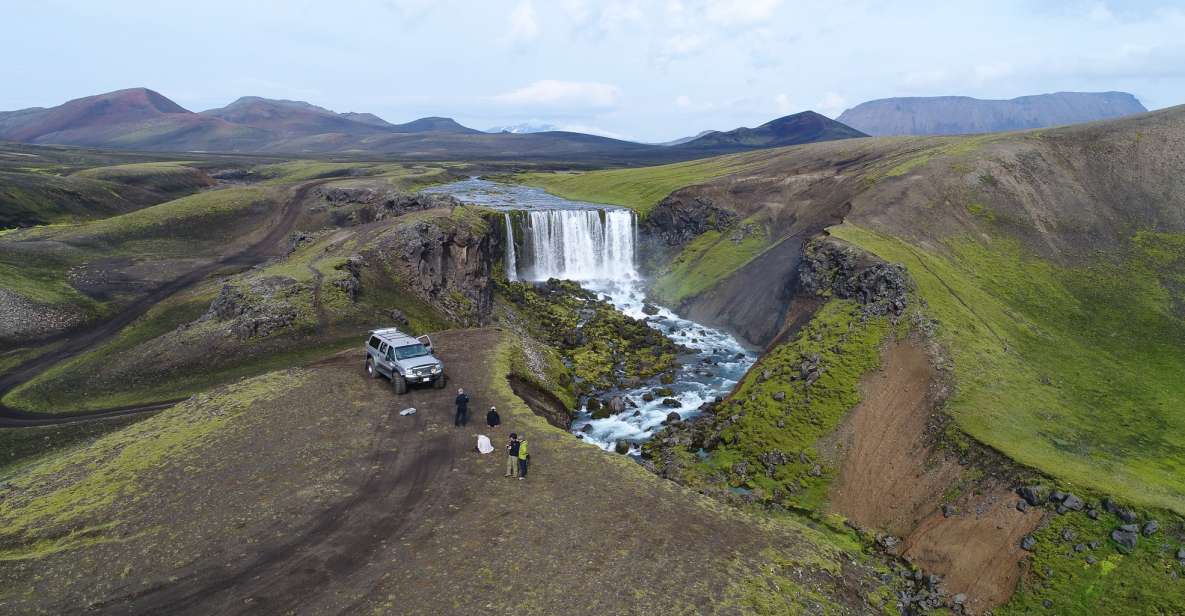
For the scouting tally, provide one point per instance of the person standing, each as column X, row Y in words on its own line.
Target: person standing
column 493, row 420
column 524, row 459
column 512, row 456
column 462, row 409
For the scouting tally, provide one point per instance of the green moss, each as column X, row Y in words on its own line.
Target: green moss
column 204, row 216
column 1075, row 371
column 602, row 344
column 639, row 189
column 756, row 423
column 708, row 259
column 73, row 489
column 1147, row 580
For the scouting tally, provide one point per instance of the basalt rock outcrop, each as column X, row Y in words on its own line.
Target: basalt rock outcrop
column 446, row 261
column 834, row 268
column 681, row 217
column 377, row 204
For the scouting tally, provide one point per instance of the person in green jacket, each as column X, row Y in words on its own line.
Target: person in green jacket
column 523, row 458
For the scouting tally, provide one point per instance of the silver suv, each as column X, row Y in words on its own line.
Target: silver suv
column 403, row 359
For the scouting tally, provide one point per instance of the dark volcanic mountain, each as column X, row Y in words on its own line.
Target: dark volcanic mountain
column 140, row 119
column 805, row 127
column 956, row 115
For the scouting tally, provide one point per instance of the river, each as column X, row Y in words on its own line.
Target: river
column 595, row 245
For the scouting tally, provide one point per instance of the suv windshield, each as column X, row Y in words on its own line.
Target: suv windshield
column 410, row 351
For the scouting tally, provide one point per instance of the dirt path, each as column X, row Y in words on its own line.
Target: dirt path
column 891, row 479
column 327, row 501
column 80, row 342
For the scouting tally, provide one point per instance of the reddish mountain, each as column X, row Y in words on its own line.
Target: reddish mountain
column 136, row 117
column 291, row 119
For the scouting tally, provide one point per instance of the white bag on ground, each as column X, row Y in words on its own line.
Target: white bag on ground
column 483, row 444
column 409, row 411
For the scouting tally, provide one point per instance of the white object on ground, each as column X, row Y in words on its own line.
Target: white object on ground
column 483, row 444
column 408, row 411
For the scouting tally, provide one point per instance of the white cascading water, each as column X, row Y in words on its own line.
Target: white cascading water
column 594, row 245
column 511, row 261
column 580, row 245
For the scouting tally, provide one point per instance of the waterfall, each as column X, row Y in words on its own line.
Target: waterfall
column 581, row 245
column 511, row 262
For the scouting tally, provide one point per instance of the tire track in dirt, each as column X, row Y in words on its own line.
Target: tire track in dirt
column 80, row 343
column 334, row 550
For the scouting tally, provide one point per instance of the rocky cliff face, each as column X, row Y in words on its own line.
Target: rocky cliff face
column 679, row 218
column 445, row 260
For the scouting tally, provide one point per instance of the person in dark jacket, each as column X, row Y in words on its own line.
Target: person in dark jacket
column 462, row 409
column 512, row 456
column 493, row 420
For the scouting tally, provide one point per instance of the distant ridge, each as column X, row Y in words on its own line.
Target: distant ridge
column 141, row 119
column 805, row 127
column 956, row 115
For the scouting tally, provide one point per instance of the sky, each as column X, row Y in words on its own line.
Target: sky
column 648, row 70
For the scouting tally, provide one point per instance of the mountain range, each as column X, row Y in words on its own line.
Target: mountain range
column 955, row 115
column 142, row 119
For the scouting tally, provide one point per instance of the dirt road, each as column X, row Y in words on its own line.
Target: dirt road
column 326, row 501
column 270, row 245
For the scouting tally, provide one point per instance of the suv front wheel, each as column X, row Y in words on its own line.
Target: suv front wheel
column 441, row 381
column 399, row 383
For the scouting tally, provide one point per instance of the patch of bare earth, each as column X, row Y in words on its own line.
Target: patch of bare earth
column 325, row 500
column 892, row 479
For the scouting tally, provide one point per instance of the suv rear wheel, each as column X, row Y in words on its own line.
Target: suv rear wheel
column 399, row 383
column 370, row 370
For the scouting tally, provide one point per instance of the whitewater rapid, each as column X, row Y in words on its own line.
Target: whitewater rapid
column 596, row 246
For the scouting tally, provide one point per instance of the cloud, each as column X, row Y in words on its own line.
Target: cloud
column 740, row 12
column 524, row 25
column 617, row 15
column 592, row 130
column 831, row 104
column 784, row 104
column 1100, row 13
column 683, row 101
column 566, row 94
column 681, row 45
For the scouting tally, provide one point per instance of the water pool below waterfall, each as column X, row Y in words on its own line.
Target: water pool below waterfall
column 595, row 245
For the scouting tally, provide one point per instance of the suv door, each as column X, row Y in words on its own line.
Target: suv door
column 381, row 360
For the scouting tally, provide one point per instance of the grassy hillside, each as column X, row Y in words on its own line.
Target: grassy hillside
column 1071, row 370
column 641, row 188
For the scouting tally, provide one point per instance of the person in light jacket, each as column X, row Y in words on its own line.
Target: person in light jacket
column 524, row 459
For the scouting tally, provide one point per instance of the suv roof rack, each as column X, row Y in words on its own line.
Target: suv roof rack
column 392, row 335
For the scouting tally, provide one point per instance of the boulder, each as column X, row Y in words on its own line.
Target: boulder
column 647, row 397
column 397, row 317
column 672, row 417
column 621, row 447
column 649, row 309
column 1151, row 527
column 616, row 405
column 949, row 510
column 1125, row 538
column 671, row 403
column 1022, row 505
column 779, row 395
column 593, row 405
column 1028, row 543
column 663, row 392
column 1073, row 503
column 1181, row 553
column 1033, row 495
column 586, row 428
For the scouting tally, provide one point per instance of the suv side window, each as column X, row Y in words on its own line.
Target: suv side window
column 383, row 350
column 374, row 342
